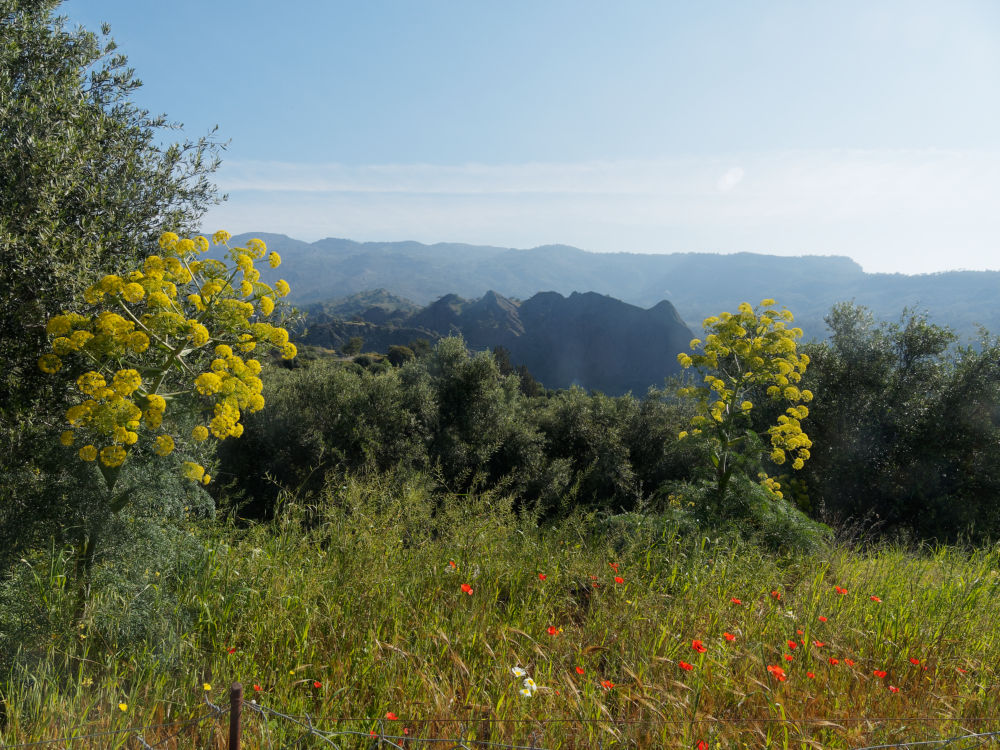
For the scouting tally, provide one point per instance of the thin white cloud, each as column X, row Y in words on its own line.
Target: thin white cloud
column 603, row 178
column 730, row 179
column 908, row 211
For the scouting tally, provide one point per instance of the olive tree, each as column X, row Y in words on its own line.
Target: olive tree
column 86, row 186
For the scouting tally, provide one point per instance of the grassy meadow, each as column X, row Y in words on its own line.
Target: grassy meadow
column 385, row 599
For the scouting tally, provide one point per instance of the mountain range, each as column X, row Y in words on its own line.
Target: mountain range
column 697, row 284
column 585, row 339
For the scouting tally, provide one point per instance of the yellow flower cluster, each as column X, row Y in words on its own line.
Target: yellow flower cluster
column 770, row 483
column 107, row 414
column 152, row 335
column 196, row 472
column 753, row 350
column 787, row 436
column 234, row 387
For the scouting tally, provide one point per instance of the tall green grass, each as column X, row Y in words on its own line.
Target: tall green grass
column 361, row 594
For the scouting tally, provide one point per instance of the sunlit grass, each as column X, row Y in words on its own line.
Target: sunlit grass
column 364, row 613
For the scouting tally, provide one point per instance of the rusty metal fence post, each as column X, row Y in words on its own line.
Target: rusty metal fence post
column 235, row 708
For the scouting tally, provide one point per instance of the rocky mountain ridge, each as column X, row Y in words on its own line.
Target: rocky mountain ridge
column 585, row 339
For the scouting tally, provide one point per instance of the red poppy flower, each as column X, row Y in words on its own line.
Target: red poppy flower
column 818, row 644
column 792, row 645
column 810, row 675
column 777, row 672
column 452, row 563
column 372, row 733
column 822, row 619
column 467, row 589
column 593, row 578
column 914, row 661
column 789, row 657
column 406, row 730
column 875, row 599
column 698, row 646
column 391, row 716
column 317, row 684
column 607, row 684
column 840, row 590
column 833, row 661
column 893, row 689
column 963, row 671
column 257, row 688
column 580, row 670
column 231, row 650
column 619, row 579
column 776, row 595
column 685, row 666
column 614, row 566
column 799, row 632
column 553, row 630
column 736, row 601
column 729, row 636
column 702, row 745
column 849, row 662
column 542, row 576
column 880, row 673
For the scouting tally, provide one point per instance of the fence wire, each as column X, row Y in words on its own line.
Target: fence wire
column 214, row 713
column 382, row 737
column 305, row 732
column 962, row 742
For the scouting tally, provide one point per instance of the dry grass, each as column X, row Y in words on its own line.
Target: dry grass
column 367, row 605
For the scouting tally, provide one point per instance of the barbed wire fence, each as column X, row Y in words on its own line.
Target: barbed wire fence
column 176, row 729
column 304, row 731
column 962, row 742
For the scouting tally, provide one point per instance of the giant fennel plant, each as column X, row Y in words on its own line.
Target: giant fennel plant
column 161, row 345
column 750, row 354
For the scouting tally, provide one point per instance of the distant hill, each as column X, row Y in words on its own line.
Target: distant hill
column 374, row 306
column 698, row 284
column 586, row 339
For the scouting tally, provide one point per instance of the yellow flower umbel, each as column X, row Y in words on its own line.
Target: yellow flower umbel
column 752, row 351
column 165, row 336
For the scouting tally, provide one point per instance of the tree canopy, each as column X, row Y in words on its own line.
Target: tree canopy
column 85, row 182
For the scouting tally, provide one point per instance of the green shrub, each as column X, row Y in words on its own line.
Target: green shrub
column 909, row 428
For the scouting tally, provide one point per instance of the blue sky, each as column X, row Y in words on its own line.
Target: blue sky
column 868, row 129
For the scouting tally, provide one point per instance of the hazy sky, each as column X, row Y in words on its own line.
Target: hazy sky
column 867, row 129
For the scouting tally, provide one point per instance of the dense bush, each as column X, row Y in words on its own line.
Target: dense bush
column 906, row 427
column 456, row 416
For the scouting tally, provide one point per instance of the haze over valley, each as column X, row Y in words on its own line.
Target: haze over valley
column 696, row 284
